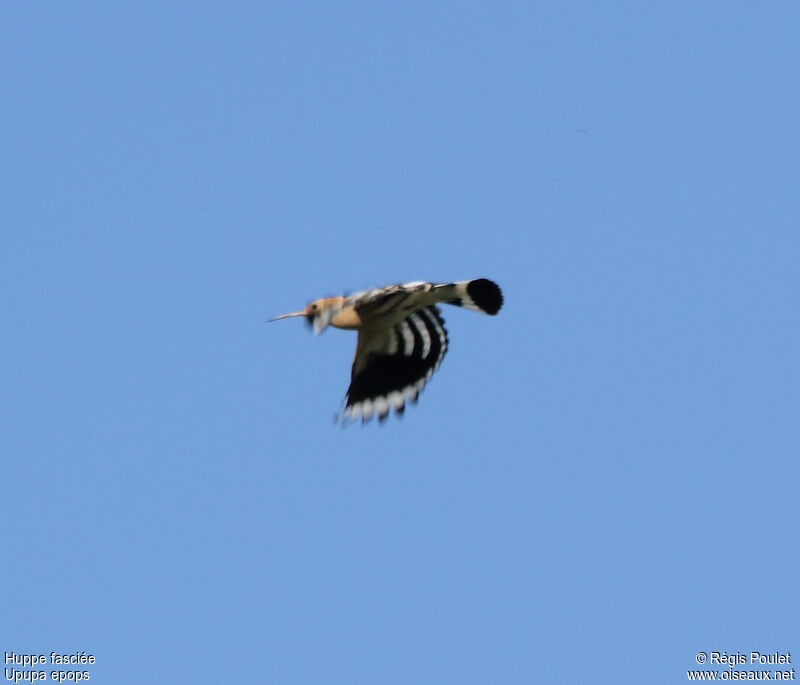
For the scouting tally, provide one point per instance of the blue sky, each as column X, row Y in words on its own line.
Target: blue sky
column 597, row 484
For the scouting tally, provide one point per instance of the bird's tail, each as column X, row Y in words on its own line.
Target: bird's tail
column 479, row 294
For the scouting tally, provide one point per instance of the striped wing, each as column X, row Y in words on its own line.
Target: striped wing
column 393, row 363
column 396, row 301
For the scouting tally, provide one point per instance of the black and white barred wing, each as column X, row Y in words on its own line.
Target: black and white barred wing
column 393, row 363
column 390, row 303
column 480, row 295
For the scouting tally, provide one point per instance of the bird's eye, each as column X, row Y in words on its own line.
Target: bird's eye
column 313, row 307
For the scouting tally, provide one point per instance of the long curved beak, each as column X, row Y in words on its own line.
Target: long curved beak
column 302, row 312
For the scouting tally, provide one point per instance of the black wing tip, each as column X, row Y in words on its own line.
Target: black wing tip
column 355, row 412
column 486, row 295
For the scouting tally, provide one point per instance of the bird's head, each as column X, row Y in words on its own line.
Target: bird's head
column 312, row 310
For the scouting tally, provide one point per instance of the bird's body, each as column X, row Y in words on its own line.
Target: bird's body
column 401, row 337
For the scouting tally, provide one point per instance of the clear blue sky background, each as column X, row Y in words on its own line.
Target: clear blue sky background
column 597, row 484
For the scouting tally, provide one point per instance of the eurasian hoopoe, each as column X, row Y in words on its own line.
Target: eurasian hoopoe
column 401, row 337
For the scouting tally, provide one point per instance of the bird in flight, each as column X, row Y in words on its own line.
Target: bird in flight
column 401, row 337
